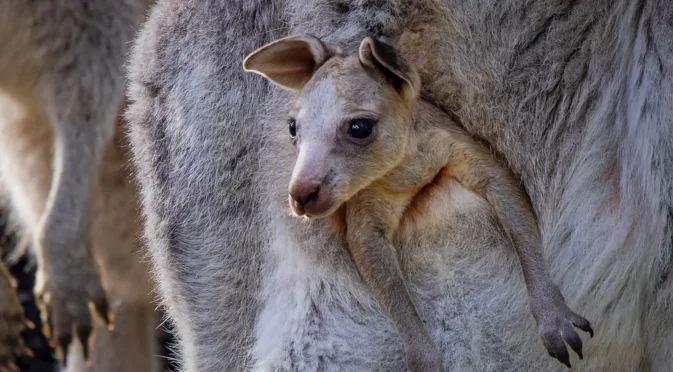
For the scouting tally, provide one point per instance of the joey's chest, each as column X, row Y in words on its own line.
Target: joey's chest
column 439, row 201
column 429, row 207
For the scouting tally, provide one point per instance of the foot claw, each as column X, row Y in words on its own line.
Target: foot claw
column 29, row 324
column 581, row 323
column 103, row 310
column 565, row 360
column 64, row 307
column 572, row 339
column 63, row 342
column 83, row 334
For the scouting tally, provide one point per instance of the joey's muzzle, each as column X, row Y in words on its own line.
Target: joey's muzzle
column 304, row 193
column 309, row 198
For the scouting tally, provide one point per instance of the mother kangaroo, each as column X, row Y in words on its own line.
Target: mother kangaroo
column 575, row 95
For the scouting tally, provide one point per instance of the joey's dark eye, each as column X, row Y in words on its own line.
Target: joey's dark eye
column 293, row 127
column 360, row 128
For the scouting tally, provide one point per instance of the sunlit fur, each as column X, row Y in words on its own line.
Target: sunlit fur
column 575, row 95
column 61, row 92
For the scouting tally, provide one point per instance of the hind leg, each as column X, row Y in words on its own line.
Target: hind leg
column 67, row 278
column 64, row 60
column 116, row 237
column 52, row 141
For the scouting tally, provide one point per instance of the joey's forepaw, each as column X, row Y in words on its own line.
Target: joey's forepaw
column 558, row 325
column 66, row 310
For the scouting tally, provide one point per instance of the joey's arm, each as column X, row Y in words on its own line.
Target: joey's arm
column 476, row 169
column 441, row 143
column 371, row 221
column 419, row 169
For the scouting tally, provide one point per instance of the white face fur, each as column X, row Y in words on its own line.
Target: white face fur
column 350, row 120
column 350, row 128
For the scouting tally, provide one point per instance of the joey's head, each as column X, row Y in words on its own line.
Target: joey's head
column 350, row 120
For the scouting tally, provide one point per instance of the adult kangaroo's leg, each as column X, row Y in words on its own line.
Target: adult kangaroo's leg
column 67, row 277
column 117, row 248
column 82, row 92
column 61, row 85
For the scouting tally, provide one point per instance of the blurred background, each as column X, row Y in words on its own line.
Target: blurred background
column 44, row 359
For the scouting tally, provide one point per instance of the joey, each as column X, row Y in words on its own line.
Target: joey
column 365, row 142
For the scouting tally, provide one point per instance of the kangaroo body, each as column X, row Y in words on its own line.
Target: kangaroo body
column 575, row 96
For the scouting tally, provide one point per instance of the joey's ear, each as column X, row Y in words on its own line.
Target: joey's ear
column 383, row 57
column 289, row 62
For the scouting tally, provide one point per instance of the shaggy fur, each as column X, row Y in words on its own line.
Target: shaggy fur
column 575, row 95
column 61, row 91
column 368, row 183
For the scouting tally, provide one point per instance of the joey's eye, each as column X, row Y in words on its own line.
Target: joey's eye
column 360, row 128
column 293, row 127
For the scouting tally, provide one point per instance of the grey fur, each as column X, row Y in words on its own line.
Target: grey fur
column 575, row 95
column 61, row 92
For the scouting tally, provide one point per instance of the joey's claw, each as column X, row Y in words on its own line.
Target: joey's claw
column 28, row 351
column 556, row 326
column 8, row 366
column 28, row 324
column 581, row 323
column 555, row 347
column 47, row 323
column 572, row 339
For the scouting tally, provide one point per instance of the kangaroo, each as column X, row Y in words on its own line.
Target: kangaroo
column 366, row 143
column 573, row 95
column 61, row 90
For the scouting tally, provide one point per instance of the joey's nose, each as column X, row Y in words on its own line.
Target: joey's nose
column 305, row 193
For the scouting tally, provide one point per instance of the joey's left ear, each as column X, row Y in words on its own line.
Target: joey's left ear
column 384, row 58
column 291, row 61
